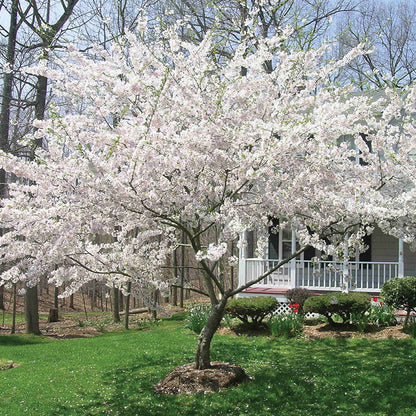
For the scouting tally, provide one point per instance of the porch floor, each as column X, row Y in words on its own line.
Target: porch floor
column 262, row 290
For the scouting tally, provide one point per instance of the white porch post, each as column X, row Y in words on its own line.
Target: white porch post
column 242, row 256
column 401, row 258
column 345, row 277
column 293, row 261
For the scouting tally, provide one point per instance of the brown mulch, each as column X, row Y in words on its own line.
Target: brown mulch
column 338, row 331
column 349, row 331
column 187, row 380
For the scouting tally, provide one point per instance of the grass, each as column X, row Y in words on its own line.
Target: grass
column 114, row 375
column 6, row 318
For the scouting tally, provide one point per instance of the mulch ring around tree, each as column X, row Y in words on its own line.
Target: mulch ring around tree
column 188, row 380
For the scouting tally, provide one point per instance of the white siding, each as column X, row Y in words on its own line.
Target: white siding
column 409, row 261
column 386, row 248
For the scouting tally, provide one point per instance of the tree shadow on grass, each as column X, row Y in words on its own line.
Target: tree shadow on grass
column 11, row 340
column 322, row 377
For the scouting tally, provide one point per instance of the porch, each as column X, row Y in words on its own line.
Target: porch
column 385, row 258
column 318, row 276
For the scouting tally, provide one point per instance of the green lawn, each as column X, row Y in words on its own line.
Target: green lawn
column 114, row 374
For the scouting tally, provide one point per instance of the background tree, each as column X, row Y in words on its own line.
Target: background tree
column 388, row 27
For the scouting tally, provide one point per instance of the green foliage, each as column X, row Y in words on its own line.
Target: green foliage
column 342, row 304
column 197, row 318
column 227, row 321
column 400, row 293
column 288, row 325
column 252, row 310
column 378, row 315
column 382, row 315
column 360, row 320
column 298, row 296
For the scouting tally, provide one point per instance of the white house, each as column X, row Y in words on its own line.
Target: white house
column 385, row 258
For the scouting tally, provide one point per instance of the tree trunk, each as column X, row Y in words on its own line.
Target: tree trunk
column 71, row 301
column 2, row 297
column 53, row 315
column 121, row 301
column 203, row 351
column 13, row 329
column 116, row 304
column 55, row 297
column 175, row 271
column 31, row 311
column 181, row 290
column 127, row 306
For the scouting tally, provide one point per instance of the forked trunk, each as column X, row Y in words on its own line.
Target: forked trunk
column 203, row 352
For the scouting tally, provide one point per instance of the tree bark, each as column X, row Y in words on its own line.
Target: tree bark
column 53, row 315
column 31, row 311
column 203, row 351
column 13, row 329
column 2, row 297
column 127, row 306
column 181, row 290
column 116, row 304
column 55, row 297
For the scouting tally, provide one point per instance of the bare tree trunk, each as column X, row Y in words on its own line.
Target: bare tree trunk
column 84, row 303
column 116, row 304
column 55, row 297
column 31, row 311
column 71, row 301
column 181, row 292
column 127, row 308
column 13, row 329
column 121, row 300
column 175, row 271
column 203, row 351
column 2, row 297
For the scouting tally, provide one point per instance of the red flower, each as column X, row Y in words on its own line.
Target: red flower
column 375, row 299
column 290, row 306
column 381, row 303
column 296, row 310
column 296, row 305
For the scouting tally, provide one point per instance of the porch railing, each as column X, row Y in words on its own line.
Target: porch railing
column 323, row 275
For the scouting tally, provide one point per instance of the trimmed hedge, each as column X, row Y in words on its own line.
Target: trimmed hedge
column 342, row 304
column 400, row 293
column 252, row 310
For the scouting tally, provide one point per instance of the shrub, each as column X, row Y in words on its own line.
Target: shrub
column 410, row 328
column 197, row 318
column 287, row 325
column 342, row 304
column 400, row 293
column 252, row 310
column 298, row 296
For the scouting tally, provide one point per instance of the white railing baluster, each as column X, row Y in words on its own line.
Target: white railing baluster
column 323, row 276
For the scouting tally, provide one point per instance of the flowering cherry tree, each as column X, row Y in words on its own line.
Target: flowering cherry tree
column 169, row 141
